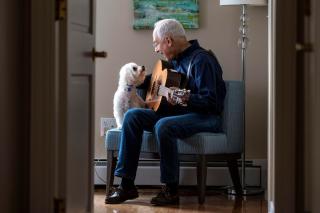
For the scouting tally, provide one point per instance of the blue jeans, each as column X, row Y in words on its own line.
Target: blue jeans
column 166, row 131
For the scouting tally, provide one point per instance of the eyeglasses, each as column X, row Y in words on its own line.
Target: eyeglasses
column 155, row 44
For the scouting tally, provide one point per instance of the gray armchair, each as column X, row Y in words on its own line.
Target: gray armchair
column 201, row 148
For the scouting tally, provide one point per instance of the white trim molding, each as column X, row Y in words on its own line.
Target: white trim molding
column 217, row 175
column 270, row 207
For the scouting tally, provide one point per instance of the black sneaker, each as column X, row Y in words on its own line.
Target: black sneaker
column 165, row 197
column 120, row 195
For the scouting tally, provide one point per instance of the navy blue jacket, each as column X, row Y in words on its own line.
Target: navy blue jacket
column 205, row 81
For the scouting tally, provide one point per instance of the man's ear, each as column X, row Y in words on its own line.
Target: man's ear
column 169, row 41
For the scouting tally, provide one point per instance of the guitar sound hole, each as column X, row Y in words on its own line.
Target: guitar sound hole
column 158, row 87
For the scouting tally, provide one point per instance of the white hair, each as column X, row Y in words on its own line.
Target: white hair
column 168, row 27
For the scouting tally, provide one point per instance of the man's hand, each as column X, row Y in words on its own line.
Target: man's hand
column 178, row 96
column 171, row 100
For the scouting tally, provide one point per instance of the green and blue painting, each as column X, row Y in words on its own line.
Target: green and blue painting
column 147, row 12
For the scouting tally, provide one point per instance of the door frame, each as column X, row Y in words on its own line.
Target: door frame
column 282, row 106
column 48, row 126
column 44, row 105
column 311, row 147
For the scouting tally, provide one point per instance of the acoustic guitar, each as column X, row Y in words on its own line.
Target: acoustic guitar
column 165, row 82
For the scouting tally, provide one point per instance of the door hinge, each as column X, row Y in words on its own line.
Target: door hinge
column 61, row 9
column 59, row 205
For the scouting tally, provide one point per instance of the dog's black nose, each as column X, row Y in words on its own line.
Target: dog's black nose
column 143, row 68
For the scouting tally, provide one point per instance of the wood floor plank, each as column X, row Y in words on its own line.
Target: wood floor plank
column 188, row 204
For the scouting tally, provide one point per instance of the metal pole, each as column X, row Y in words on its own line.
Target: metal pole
column 243, row 43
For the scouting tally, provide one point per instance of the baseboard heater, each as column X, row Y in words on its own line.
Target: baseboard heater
column 217, row 174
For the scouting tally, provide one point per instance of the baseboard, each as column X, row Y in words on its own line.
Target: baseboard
column 270, row 207
column 217, row 174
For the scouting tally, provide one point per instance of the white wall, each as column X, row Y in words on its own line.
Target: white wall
column 218, row 31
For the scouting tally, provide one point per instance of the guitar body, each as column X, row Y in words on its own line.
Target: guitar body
column 164, row 76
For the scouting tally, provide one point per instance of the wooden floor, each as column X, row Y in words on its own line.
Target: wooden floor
column 216, row 201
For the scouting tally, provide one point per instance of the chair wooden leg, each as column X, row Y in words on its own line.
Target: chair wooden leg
column 111, row 162
column 234, row 172
column 202, row 178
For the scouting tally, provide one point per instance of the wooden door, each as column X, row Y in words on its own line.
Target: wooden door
column 80, row 99
column 309, row 56
column 294, row 139
column 76, row 106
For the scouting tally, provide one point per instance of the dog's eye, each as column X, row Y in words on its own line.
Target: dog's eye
column 134, row 68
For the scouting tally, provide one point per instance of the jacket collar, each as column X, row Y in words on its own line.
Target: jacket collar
column 188, row 51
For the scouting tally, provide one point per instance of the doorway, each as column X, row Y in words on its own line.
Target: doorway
column 283, row 153
column 212, row 34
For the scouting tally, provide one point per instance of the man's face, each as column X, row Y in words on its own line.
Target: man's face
column 164, row 47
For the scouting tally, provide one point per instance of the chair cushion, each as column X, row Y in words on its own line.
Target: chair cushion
column 201, row 143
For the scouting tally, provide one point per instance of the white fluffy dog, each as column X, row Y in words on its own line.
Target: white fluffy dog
column 131, row 75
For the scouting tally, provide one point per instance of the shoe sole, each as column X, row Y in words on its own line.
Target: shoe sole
column 130, row 198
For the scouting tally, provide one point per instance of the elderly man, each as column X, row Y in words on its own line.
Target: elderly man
column 200, row 113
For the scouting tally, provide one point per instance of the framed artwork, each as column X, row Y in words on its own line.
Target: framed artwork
column 147, row 12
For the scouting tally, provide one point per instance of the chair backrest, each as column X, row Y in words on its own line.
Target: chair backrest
column 233, row 115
